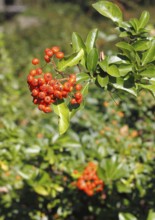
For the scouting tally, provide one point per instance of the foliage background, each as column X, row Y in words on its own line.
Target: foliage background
column 118, row 132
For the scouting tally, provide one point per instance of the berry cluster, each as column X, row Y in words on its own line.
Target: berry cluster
column 47, row 88
column 89, row 182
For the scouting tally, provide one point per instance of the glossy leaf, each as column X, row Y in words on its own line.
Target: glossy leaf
column 41, row 190
column 124, row 69
column 113, row 71
column 63, row 112
column 111, row 169
column 126, row 216
column 124, row 45
column 91, row 39
column 149, row 87
column 77, row 42
column 92, row 59
column 109, row 10
column 81, row 77
column 151, row 215
column 149, row 55
column 125, row 85
column 70, row 61
column 102, row 81
column 144, row 18
column 141, row 45
column 148, row 72
column 134, row 23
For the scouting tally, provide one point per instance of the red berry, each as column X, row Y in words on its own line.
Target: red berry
column 58, row 94
column 55, row 49
column 34, row 82
column 59, row 55
column 78, row 87
column 35, row 92
column 33, row 73
column 67, row 87
column 47, row 99
column 47, row 109
column 41, row 81
column 35, row 61
column 73, row 101
column 47, row 58
column 47, row 77
column 30, row 79
column 78, row 95
column 39, row 71
column 50, row 90
column 49, row 53
column 41, row 95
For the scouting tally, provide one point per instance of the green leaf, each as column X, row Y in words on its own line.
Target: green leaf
column 149, row 55
column 41, row 190
column 113, row 71
column 125, row 85
column 92, row 60
column 149, row 72
column 102, row 81
column 124, row 45
column 124, row 69
column 72, row 60
column 148, row 87
column 91, row 39
column 109, row 10
column 134, row 23
column 81, row 77
column 144, row 18
column 126, row 216
column 63, row 112
column 77, row 42
column 104, row 64
column 151, row 215
column 111, row 169
column 141, row 45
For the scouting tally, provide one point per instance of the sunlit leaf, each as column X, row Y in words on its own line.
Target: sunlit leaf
column 63, row 112
column 110, row 10
column 70, row 61
column 91, row 39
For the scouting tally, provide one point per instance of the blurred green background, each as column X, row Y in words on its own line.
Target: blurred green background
column 36, row 164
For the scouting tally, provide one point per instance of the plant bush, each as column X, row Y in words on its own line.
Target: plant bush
column 39, row 169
